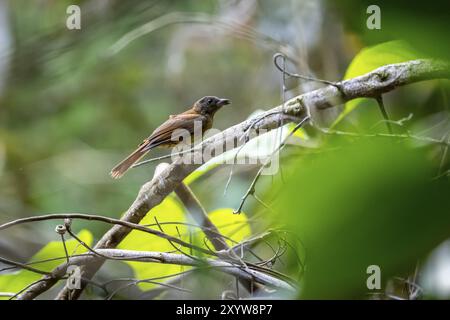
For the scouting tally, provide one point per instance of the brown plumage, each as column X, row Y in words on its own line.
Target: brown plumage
column 201, row 112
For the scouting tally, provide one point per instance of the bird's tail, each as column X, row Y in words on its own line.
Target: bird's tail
column 119, row 170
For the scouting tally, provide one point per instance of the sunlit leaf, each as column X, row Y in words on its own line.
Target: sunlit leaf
column 16, row 281
column 168, row 211
column 371, row 58
column 230, row 225
column 233, row 226
column 299, row 133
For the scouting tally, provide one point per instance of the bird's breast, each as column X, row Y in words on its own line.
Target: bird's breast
column 207, row 123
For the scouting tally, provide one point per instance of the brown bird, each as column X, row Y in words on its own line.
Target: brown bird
column 202, row 112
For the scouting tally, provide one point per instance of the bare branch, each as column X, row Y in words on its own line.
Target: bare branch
column 23, row 266
column 179, row 259
column 379, row 81
column 117, row 222
column 200, row 216
column 382, row 108
column 423, row 139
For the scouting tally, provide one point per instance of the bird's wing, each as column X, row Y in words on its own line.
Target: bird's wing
column 163, row 133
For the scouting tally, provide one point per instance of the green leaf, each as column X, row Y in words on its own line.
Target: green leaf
column 372, row 202
column 368, row 59
column 233, row 226
column 169, row 210
column 202, row 170
column 421, row 24
column 16, row 281
column 371, row 58
column 299, row 133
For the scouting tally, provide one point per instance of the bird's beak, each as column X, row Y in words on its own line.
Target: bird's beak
column 223, row 102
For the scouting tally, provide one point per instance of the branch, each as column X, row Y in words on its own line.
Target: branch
column 179, row 259
column 379, row 81
column 123, row 223
column 199, row 215
column 23, row 266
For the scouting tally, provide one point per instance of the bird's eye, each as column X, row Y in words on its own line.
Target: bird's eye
column 209, row 101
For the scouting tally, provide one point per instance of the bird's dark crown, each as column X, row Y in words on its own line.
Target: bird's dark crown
column 210, row 104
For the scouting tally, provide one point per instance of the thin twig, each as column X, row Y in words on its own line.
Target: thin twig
column 446, row 138
column 65, row 248
column 251, row 188
column 23, row 266
column 385, row 135
column 137, row 281
column 123, row 223
column 277, row 56
column 167, row 156
column 401, row 122
column 380, row 103
column 248, row 272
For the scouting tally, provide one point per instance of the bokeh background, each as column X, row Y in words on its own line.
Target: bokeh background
column 71, row 108
column 74, row 102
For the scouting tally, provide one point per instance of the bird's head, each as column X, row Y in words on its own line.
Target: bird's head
column 209, row 105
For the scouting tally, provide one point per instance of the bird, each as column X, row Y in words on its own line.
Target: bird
column 202, row 112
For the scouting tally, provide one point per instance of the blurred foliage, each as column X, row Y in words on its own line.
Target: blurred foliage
column 422, row 24
column 370, row 202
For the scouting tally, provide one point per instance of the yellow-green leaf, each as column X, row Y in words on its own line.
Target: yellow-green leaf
column 233, row 226
column 168, row 211
column 371, row 58
column 16, row 281
column 230, row 225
